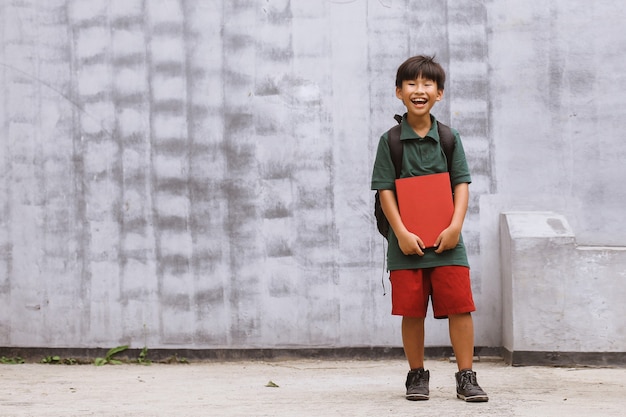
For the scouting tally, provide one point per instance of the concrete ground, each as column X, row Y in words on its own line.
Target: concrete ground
column 304, row 388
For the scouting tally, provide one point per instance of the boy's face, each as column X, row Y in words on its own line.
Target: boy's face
column 419, row 96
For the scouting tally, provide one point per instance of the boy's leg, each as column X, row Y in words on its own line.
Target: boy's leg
column 413, row 341
column 462, row 338
column 410, row 293
column 461, row 327
column 452, row 297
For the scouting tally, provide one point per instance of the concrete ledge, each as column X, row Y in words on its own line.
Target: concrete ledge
column 562, row 304
column 87, row 355
column 570, row 359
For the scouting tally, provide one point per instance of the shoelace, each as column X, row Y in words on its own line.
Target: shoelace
column 422, row 383
column 468, row 378
column 418, row 379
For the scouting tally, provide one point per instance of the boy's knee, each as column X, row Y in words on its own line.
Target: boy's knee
column 413, row 321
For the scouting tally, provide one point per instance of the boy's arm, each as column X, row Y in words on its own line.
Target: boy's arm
column 410, row 244
column 449, row 238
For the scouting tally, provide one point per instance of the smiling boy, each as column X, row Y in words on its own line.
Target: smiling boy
column 419, row 274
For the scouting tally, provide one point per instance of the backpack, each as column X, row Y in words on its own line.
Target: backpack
column 446, row 140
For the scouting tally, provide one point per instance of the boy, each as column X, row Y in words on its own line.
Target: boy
column 418, row 273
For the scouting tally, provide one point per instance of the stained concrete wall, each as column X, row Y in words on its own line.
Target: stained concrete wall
column 556, row 116
column 187, row 173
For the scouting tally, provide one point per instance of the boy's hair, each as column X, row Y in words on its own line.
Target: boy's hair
column 421, row 66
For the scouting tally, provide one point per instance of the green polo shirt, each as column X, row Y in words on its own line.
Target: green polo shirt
column 421, row 156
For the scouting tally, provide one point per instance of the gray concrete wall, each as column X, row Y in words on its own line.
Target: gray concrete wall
column 555, row 86
column 189, row 173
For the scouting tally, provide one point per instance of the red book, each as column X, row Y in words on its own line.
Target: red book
column 426, row 205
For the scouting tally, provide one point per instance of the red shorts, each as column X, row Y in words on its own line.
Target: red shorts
column 448, row 286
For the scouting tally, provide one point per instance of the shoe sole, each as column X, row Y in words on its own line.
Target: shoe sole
column 417, row 397
column 474, row 399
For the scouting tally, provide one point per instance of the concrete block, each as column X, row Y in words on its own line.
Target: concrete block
column 558, row 303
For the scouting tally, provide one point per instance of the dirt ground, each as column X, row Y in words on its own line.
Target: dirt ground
column 302, row 388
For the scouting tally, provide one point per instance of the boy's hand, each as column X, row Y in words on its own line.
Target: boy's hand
column 448, row 239
column 411, row 244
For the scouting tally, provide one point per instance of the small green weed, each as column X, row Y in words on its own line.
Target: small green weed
column 143, row 357
column 175, row 359
column 11, row 361
column 55, row 360
column 108, row 359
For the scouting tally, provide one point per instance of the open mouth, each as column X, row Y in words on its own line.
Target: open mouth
column 419, row 101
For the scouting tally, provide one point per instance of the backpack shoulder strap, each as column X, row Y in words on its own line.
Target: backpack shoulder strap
column 395, row 148
column 446, row 139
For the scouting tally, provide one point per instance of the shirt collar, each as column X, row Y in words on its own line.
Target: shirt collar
column 407, row 131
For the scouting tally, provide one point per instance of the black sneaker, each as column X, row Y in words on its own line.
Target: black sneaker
column 417, row 385
column 467, row 387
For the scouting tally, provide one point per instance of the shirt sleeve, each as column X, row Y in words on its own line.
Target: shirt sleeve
column 384, row 173
column 460, row 170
